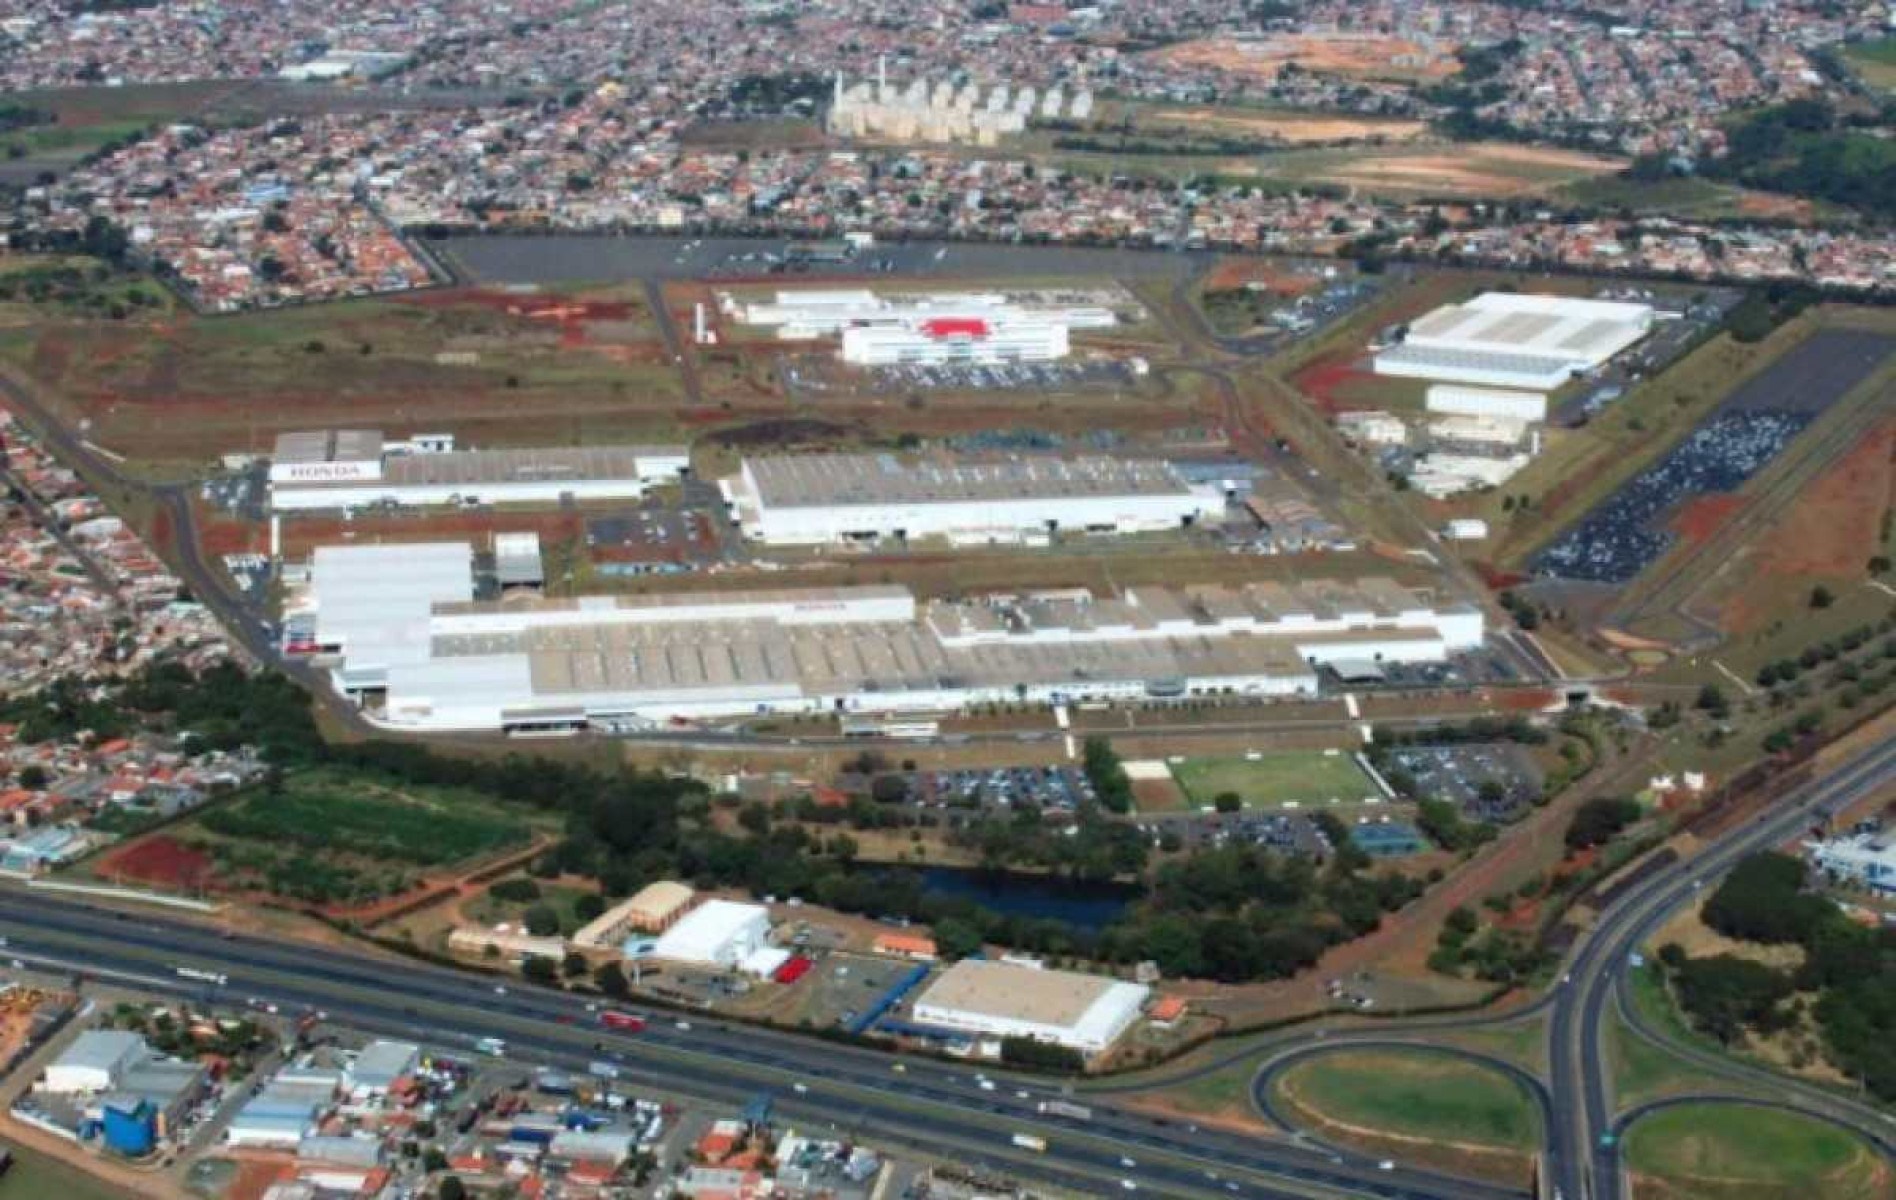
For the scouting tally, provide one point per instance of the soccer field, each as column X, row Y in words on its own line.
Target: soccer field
column 1272, row 780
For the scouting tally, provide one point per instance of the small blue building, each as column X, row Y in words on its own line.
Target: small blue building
column 130, row 1125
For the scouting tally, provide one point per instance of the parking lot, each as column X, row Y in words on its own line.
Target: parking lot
column 1047, row 789
column 1625, row 532
column 1286, row 833
column 663, row 536
column 1487, row 781
column 242, row 494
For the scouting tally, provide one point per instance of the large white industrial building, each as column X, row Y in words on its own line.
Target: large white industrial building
column 354, row 468
column 1087, row 1013
column 812, row 499
column 931, row 329
column 397, row 623
column 1515, row 340
column 944, row 341
column 718, row 933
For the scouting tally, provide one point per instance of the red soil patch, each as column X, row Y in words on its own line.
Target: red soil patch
column 1232, row 273
column 1702, row 516
column 1496, row 579
column 1833, row 526
column 159, row 860
column 305, row 533
column 1321, row 379
column 1522, row 699
column 554, row 308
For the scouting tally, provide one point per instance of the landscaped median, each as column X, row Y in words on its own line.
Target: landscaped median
column 1419, row 1107
column 1727, row 1151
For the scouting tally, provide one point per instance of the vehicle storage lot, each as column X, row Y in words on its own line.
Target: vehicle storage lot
column 1458, row 774
column 1624, row 534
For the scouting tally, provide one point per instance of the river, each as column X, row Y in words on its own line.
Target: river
column 1091, row 907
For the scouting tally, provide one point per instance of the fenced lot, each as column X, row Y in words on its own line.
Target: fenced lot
column 1275, row 780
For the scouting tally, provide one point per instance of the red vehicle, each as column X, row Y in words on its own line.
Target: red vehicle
column 622, row 1021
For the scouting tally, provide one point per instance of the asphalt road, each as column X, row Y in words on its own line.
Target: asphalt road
column 1584, row 1160
column 459, row 1007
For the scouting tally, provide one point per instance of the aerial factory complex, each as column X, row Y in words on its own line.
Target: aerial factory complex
column 885, row 600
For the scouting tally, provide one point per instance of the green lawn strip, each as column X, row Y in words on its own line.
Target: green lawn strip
column 1740, row 1151
column 1643, row 1071
column 1273, row 779
column 1416, row 1095
column 1524, row 1045
column 34, row 1176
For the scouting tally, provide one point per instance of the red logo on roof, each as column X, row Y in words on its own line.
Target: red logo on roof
column 947, row 327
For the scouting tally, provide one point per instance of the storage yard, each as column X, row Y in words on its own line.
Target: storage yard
column 1617, row 540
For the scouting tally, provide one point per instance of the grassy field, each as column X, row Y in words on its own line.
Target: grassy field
column 1273, row 780
column 37, row 1177
column 1875, row 62
column 1736, row 1152
column 1414, row 1106
column 329, row 837
column 1642, row 1071
column 563, row 367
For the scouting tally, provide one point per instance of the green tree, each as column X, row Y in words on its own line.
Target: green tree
column 956, row 938
column 542, row 920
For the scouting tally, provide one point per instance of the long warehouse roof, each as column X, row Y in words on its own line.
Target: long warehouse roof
column 820, row 480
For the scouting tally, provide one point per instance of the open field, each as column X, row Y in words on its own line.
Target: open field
column 1290, row 126
column 493, row 368
column 1275, row 780
column 325, row 838
column 35, row 1176
column 1220, row 1098
column 1421, row 1108
column 1477, row 169
column 86, row 118
column 1467, row 170
column 1361, row 56
column 1689, row 196
column 1739, row 1152
column 1874, row 61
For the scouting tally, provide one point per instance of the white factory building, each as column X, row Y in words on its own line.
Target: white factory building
column 933, row 328
column 718, row 933
column 813, row 499
column 1455, row 400
column 943, row 341
column 355, row 468
column 1087, row 1013
column 397, row 628
column 1512, row 340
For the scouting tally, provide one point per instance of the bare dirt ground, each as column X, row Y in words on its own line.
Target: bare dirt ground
column 1357, row 55
column 1830, row 531
column 1492, row 169
column 1292, row 127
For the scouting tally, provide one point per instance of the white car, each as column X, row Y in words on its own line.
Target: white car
column 1387, row 1164
column 801, row 1089
column 1129, row 1185
column 1127, row 1163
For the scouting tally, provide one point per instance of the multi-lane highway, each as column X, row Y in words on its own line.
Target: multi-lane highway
column 893, row 1097
column 850, row 1084
column 1583, row 1153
